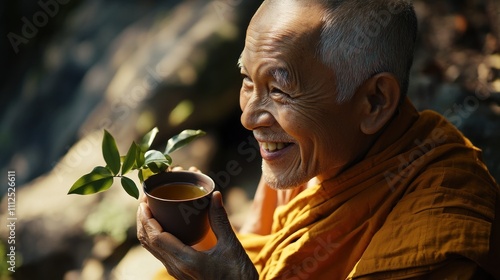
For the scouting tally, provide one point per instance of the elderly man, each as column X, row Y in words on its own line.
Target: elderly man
column 356, row 184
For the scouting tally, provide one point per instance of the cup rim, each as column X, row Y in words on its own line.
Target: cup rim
column 211, row 183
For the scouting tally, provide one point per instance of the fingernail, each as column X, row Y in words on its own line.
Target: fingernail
column 143, row 209
column 217, row 199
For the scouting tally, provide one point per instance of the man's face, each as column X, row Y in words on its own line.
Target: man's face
column 288, row 98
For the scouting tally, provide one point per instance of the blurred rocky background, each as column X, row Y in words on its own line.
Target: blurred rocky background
column 71, row 68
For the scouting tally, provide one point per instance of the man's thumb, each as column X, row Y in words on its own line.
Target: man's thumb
column 218, row 218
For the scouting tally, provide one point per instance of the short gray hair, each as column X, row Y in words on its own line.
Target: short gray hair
column 361, row 38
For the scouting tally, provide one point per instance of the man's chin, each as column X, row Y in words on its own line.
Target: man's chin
column 283, row 181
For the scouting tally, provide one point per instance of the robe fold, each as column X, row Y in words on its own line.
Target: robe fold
column 419, row 198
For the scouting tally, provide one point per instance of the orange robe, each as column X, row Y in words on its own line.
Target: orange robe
column 419, row 199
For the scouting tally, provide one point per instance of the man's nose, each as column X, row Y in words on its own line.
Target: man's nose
column 256, row 113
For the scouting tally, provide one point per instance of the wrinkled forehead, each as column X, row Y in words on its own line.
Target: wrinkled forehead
column 285, row 23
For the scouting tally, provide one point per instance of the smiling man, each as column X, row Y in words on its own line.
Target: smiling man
column 288, row 98
column 356, row 184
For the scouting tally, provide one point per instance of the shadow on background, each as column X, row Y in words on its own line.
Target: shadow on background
column 71, row 68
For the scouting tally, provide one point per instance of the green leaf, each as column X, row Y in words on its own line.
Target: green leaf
column 98, row 180
column 130, row 187
column 156, row 161
column 156, row 156
column 140, row 175
column 181, row 139
column 101, row 170
column 129, row 161
column 147, row 140
column 110, row 152
column 144, row 174
column 157, row 167
column 139, row 158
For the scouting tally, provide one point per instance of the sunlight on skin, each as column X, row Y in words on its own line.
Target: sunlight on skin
column 287, row 94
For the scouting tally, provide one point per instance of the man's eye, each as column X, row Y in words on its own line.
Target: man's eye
column 245, row 78
column 279, row 95
column 247, row 84
column 278, row 91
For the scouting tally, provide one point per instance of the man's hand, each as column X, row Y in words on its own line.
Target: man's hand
column 227, row 260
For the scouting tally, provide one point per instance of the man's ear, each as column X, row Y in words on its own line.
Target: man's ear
column 380, row 98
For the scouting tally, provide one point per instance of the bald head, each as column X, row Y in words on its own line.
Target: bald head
column 287, row 31
column 300, row 61
column 354, row 38
column 289, row 20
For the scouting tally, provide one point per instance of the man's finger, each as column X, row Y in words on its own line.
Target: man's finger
column 147, row 226
column 141, row 213
column 194, row 169
column 144, row 210
column 177, row 168
column 155, row 234
column 219, row 220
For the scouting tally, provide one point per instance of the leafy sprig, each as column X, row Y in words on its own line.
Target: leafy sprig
column 139, row 157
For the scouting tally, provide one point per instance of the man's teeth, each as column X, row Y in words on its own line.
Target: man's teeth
column 272, row 146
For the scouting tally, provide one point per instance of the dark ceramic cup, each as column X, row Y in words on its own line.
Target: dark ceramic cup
column 186, row 219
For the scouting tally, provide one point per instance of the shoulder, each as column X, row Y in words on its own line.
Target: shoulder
column 448, row 212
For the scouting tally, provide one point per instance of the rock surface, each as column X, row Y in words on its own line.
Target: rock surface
column 128, row 66
column 131, row 65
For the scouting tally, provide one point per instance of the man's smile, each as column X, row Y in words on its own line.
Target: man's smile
column 273, row 150
column 273, row 146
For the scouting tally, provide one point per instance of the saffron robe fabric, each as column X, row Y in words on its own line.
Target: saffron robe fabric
column 420, row 198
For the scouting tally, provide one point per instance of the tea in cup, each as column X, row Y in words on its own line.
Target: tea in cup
column 180, row 201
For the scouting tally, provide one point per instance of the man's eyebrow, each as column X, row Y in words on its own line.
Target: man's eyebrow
column 240, row 62
column 281, row 76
